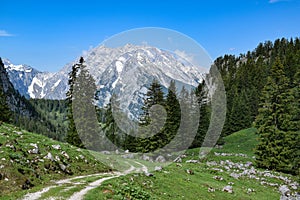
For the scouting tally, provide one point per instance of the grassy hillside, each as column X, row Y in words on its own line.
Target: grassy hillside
column 29, row 161
column 204, row 180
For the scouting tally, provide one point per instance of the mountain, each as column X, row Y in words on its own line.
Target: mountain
column 126, row 70
column 17, row 103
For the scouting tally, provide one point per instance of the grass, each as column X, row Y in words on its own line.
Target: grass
column 175, row 183
column 17, row 165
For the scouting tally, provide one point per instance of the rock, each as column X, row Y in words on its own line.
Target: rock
column 235, row 175
column 65, row 155
column 212, row 163
column 147, row 158
column 81, row 157
column 117, row 151
column 158, row 168
column 230, row 183
column 56, row 146
column 149, row 174
column 62, row 167
column 183, row 156
column 284, row 190
column 191, row 172
column 192, row 161
column 249, row 190
column 217, row 169
column 248, row 164
column 11, row 146
column 49, row 156
column 105, row 152
column 160, row 159
column 210, row 189
column 128, row 156
column 6, row 179
column 228, row 189
column 178, row 160
column 219, row 178
column 127, row 151
column 33, row 151
column 178, row 165
column 18, row 132
column 294, row 186
column 57, row 158
column 1, row 166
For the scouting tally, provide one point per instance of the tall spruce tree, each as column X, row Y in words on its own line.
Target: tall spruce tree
column 72, row 134
column 84, row 116
column 173, row 113
column 274, row 122
column 203, row 104
column 151, row 133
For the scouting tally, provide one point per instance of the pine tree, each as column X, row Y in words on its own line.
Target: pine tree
column 72, row 134
column 274, row 122
column 203, row 104
column 173, row 114
column 85, row 116
column 6, row 114
column 151, row 134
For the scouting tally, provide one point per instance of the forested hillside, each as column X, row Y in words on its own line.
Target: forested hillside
column 246, row 75
column 45, row 117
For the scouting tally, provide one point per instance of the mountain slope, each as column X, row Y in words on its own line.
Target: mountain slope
column 126, row 71
column 102, row 62
column 225, row 174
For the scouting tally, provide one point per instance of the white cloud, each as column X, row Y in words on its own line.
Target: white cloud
column 232, row 49
column 185, row 56
column 4, row 33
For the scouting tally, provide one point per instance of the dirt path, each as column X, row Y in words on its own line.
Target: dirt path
column 79, row 195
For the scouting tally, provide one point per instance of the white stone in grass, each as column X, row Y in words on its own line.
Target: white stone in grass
column 56, row 146
column 158, row 168
column 228, row 189
column 49, row 157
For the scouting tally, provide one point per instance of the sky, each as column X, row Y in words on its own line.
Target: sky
column 50, row 33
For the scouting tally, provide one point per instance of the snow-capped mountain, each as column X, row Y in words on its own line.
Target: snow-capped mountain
column 126, row 70
column 21, row 76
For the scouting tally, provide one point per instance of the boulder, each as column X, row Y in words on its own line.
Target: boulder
column 219, row 178
column 160, row 159
column 178, row 160
column 49, row 156
column 62, row 167
column 191, row 172
column 158, row 168
column 147, row 158
column 56, row 146
column 228, row 189
column 128, row 156
column 284, row 190
column 65, row 155
column 235, row 175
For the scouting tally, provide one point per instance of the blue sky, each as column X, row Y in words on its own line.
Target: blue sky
column 48, row 34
